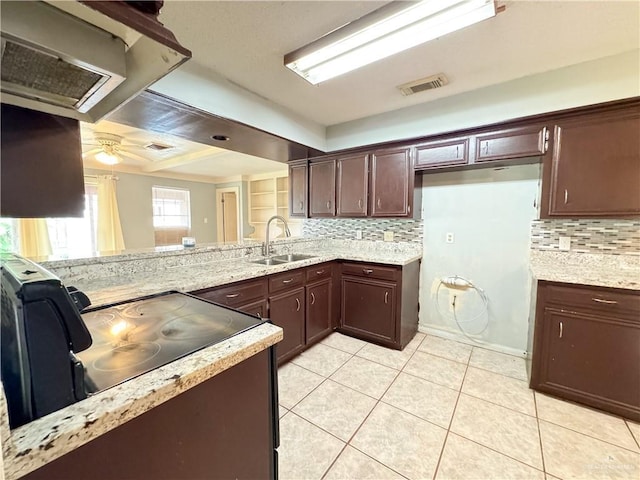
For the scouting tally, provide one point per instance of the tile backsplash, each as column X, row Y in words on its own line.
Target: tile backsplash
column 404, row 230
column 616, row 237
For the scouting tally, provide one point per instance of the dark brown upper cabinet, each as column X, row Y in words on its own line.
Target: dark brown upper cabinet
column 442, row 153
column 594, row 170
column 298, row 182
column 512, row 143
column 352, row 185
column 41, row 172
column 322, row 188
column 392, row 180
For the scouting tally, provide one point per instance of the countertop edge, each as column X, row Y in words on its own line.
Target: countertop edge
column 33, row 445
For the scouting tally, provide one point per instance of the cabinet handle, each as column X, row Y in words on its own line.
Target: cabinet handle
column 560, row 333
column 486, row 147
column 359, row 203
column 232, row 295
column 457, row 151
column 313, row 298
column 319, row 272
column 297, row 305
column 409, row 209
column 602, row 300
column 386, row 297
column 287, row 281
column 258, row 315
column 301, row 205
column 368, row 271
column 328, row 205
column 379, row 203
column 566, row 196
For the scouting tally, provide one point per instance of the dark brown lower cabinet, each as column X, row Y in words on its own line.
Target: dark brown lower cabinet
column 287, row 311
column 587, row 346
column 319, row 308
column 259, row 308
column 226, row 427
column 379, row 303
column 368, row 308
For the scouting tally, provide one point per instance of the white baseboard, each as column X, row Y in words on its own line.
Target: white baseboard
column 458, row 337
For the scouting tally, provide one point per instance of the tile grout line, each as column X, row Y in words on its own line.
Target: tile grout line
column 453, row 413
column 378, row 401
column 637, row 440
column 535, row 405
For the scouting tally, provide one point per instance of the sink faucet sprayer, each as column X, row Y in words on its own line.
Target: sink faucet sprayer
column 266, row 247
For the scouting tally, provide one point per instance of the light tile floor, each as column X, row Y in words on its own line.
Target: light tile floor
column 437, row 410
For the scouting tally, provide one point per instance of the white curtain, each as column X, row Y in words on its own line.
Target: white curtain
column 109, row 229
column 34, row 237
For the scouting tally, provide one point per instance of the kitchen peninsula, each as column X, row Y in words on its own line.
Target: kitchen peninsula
column 118, row 277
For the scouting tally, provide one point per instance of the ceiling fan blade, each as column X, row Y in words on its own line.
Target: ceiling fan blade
column 134, row 156
column 91, row 152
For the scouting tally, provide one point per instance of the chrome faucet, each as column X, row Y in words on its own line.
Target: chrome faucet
column 266, row 247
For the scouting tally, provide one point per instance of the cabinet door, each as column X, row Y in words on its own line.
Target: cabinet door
column 391, row 183
column 369, row 309
column 352, row 180
column 596, row 166
column 594, row 360
column 298, row 190
column 318, row 310
column 511, row 143
column 287, row 311
column 442, row 153
column 322, row 189
column 258, row 309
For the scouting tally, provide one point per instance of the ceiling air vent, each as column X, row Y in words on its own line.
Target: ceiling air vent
column 158, row 147
column 428, row 83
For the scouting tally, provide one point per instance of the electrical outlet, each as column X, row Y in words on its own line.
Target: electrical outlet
column 358, row 234
column 449, row 238
column 564, row 243
column 387, row 236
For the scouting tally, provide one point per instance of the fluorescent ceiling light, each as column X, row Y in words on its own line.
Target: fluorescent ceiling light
column 382, row 33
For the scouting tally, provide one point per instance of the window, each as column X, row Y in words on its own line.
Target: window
column 69, row 237
column 76, row 237
column 171, row 215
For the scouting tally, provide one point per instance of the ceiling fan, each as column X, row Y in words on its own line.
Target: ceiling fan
column 110, row 150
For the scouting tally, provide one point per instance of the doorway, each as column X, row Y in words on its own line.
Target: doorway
column 228, row 214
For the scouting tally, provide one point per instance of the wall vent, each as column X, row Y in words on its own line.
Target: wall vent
column 428, row 83
column 158, row 147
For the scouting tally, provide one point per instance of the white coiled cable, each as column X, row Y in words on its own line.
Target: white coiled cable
column 460, row 283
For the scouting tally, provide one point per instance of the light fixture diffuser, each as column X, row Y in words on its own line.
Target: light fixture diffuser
column 108, row 158
column 382, row 33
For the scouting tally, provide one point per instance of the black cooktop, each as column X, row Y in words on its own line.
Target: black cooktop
column 133, row 337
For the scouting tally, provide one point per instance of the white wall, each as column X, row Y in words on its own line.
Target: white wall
column 489, row 212
column 587, row 83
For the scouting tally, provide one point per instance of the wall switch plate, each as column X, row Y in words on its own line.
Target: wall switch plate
column 387, row 236
column 449, row 237
column 564, row 243
column 358, row 234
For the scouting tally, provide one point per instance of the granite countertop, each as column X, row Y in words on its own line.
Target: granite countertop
column 189, row 278
column 604, row 270
column 32, row 445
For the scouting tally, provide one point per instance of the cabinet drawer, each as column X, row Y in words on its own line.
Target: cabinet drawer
column 442, row 153
column 319, row 272
column 286, row 281
column 237, row 294
column 512, row 143
column 370, row 271
column 601, row 300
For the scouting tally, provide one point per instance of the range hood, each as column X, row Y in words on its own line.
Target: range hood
column 82, row 60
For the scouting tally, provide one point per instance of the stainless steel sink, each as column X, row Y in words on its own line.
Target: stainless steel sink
column 292, row 257
column 280, row 259
column 269, row 261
